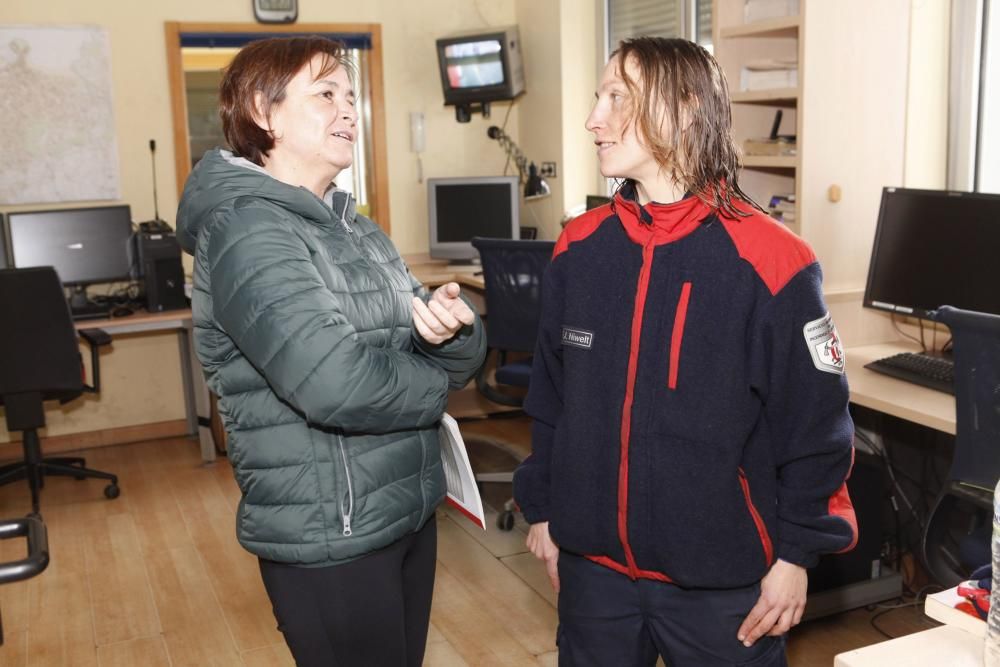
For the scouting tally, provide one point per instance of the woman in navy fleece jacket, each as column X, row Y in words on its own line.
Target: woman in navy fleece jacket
column 691, row 437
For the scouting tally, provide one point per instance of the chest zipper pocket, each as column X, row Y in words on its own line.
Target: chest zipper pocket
column 346, row 513
column 677, row 335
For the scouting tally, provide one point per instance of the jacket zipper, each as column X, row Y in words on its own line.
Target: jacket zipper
column 626, row 428
column 350, row 490
column 677, row 335
column 765, row 539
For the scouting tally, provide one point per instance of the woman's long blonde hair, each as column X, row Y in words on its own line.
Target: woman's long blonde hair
column 682, row 80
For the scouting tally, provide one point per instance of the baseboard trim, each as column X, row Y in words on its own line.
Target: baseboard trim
column 103, row 438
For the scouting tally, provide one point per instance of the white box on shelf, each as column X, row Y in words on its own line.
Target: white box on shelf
column 754, row 79
column 760, row 10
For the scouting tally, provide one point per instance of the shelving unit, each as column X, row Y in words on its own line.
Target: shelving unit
column 737, row 43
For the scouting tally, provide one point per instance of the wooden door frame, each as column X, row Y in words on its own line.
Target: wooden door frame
column 178, row 96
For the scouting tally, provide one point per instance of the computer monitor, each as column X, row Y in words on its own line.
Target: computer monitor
column 461, row 208
column 4, row 258
column 84, row 245
column 935, row 248
column 596, row 201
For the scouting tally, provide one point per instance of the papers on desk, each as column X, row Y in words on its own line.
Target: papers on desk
column 463, row 494
column 949, row 608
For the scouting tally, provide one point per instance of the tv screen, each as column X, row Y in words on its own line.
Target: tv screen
column 474, row 64
column 935, row 248
column 462, row 208
column 481, row 68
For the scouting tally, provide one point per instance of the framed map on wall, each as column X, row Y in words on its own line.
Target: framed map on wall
column 57, row 125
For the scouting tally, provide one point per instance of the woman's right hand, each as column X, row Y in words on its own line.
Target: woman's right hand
column 540, row 543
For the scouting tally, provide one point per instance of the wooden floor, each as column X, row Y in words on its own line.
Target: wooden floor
column 157, row 578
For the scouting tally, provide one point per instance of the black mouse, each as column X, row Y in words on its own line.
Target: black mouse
column 121, row 311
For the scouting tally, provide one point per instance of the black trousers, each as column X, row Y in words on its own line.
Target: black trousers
column 371, row 611
column 605, row 619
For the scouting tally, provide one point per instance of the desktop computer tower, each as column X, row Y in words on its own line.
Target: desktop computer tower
column 867, row 486
column 161, row 269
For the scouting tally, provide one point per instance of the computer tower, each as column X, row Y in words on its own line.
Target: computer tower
column 867, row 486
column 161, row 269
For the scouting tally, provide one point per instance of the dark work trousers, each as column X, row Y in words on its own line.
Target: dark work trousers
column 370, row 611
column 606, row 619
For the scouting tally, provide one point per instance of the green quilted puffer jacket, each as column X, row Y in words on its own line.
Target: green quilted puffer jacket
column 303, row 324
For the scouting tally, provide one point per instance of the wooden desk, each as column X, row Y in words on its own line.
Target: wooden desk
column 196, row 402
column 435, row 272
column 937, row 647
column 898, row 398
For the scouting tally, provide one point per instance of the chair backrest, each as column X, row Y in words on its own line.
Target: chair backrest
column 976, row 344
column 38, row 344
column 512, row 272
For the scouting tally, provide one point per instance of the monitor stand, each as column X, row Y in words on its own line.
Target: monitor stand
column 82, row 308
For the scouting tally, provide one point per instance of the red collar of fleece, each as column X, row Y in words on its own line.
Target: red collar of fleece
column 658, row 223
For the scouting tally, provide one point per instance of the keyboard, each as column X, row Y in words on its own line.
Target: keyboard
column 923, row 369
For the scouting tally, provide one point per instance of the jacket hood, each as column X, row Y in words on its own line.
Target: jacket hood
column 220, row 178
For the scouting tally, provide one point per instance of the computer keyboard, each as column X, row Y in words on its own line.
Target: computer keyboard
column 923, row 369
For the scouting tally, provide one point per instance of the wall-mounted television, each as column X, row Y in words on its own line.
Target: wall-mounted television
column 480, row 68
column 461, row 208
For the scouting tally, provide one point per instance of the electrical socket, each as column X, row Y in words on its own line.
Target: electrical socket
column 548, row 170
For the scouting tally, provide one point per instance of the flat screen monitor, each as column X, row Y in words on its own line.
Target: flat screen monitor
column 596, row 201
column 4, row 258
column 935, row 248
column 461, row 208
column 84, row 245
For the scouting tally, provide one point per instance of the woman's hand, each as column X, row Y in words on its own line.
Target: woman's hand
column 782, row 601
column 540, row 544
column 443, row 315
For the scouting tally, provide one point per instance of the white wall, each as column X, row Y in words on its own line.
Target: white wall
column 926, row 159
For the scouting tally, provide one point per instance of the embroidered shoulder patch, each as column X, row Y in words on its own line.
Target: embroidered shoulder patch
column 824, row 345
column 577, row 338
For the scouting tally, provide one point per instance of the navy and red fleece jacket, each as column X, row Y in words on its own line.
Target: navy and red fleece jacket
column 688, row 396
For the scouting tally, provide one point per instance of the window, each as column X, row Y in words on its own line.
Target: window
column 691, row 19
column 974, row 103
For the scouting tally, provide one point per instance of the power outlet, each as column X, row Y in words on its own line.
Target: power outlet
column 548, row 170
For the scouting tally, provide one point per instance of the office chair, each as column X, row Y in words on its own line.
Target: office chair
column 31, row 528
column 40, row 361
column 512, row 273
column 975, row 467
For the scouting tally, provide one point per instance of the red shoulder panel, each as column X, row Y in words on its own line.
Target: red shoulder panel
column 581, row 227
column 774, row 252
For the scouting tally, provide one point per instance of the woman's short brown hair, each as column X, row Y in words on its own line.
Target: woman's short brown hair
column 682, row 80
column 266, row 66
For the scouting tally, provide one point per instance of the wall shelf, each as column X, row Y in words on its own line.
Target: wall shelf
column 781, row 97
column 786, row 26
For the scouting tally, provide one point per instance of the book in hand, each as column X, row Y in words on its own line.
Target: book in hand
column 463, row 493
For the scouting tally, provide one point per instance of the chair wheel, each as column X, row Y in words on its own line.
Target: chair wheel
column 505, row 520
column 111, row 491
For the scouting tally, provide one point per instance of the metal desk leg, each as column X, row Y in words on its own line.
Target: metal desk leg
column 195, row 395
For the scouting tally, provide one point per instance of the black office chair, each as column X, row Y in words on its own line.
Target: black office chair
column 966, row 501
column 40, row 361
column 33, row 530
column 512, row 273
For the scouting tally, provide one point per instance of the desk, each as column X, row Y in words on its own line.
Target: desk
column 898, row 398
column 196, row 404
column 938, row 647
column 435, row 272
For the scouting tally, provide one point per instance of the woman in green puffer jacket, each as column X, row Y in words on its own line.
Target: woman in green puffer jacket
column 331, row 363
